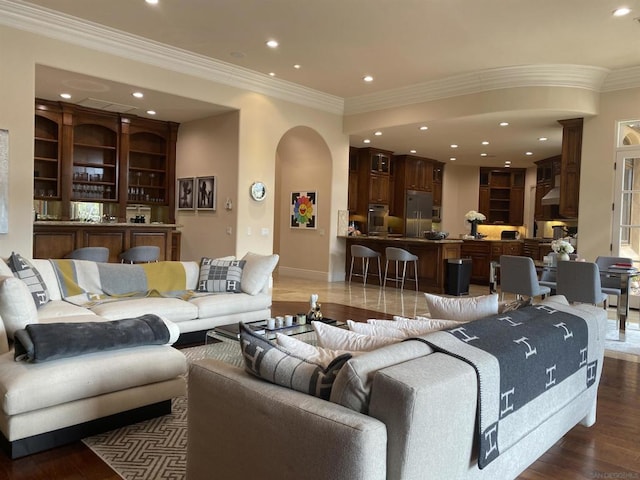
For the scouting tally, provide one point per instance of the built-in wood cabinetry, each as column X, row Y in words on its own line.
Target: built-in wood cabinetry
column 570, row 167
column 88, row 155
column 370, row 179
column 417, row 174
column 483, row 252
column 57, row 239
column 501, row 195
column 547, row 173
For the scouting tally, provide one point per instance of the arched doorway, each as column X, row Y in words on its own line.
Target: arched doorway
column 303, row 166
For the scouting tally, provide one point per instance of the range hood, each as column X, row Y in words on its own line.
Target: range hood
column 553, row 196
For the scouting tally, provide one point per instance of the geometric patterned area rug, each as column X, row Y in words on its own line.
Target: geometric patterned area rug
column 157, row 449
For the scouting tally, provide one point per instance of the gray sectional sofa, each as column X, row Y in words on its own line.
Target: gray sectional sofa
column 420, row 420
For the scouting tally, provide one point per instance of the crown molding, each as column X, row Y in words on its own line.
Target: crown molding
column 72, row 30
column 622, row 79
column 574, row 76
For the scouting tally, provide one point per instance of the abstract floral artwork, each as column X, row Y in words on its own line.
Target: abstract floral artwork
column 303, row 210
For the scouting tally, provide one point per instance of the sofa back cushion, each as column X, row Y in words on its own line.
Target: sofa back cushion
column 257, row 272
column 352, row 387
column 48, row 277
column 5, row 271
column 16, row 305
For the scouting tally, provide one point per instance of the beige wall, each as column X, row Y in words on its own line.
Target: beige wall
column 262, row 121
column 209, row 147
column 597, row 174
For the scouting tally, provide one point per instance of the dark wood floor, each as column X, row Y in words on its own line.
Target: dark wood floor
column 609, row 449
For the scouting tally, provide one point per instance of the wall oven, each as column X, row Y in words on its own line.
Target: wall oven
column 377, row 219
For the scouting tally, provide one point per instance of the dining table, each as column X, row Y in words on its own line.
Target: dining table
column 623, row 274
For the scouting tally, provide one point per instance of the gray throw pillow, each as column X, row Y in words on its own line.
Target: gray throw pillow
column 271, row 362
column 22, row 268
column 218, row 275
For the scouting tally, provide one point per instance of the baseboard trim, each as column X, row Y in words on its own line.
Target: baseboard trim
column 45, row 441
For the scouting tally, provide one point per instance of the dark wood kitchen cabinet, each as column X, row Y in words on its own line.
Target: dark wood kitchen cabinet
column 501, row 195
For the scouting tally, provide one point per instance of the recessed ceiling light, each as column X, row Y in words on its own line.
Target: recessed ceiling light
column 528, row 153
column 504, row 124
column 138, row 94
column 151, row 112
column 366, row 140
column 297, row 66
column 621, row 12
column 424, row 127
column 66, row 95
column 543, row 139
column 507, row 165
column 378, row 133
column 507, row 162
column 367, row 78
column 272, row 44
column 152, row 2
column 483, row 154
column 453, row 145
column 485, row 142
column 272, row 74
column 412, row 151
column 453, row 159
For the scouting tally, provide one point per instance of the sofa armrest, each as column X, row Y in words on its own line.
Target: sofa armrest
column 244, row 427
column 4, row 342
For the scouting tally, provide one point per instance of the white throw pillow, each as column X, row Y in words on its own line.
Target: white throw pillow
column 16, row 305
column 5, row 271
column 320, row 355
column 376, row 330
column 463, row 309
column 417, row 326
column 256, row 272
column 336, row 338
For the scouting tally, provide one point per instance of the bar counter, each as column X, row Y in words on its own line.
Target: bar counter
column 55, row 239
column 432, row 259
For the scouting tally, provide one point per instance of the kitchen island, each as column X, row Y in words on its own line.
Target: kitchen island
column 55, row 239
column 432, row 258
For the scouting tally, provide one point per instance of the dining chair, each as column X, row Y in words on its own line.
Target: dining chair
column 518, row 276
column 95, row 254
column 365, row 254
column 611, row 285
column 580, row 282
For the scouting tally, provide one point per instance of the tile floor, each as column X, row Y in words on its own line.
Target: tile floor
column 406, row 302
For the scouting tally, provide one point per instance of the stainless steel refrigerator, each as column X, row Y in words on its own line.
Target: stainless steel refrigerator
column 418, row 211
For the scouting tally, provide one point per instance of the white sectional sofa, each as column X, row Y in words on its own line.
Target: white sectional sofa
column 47, row 404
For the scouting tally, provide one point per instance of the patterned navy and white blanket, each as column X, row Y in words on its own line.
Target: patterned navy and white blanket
column 530, row 363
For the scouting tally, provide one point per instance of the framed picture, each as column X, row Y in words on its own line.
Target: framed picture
column 186, row 189
column 206, row 193
column 303, row 210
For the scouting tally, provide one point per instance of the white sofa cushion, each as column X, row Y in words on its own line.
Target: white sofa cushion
column 5, row 271
column 257, row 271
column 85, row 376
column 463, row 309
column 17, row 308
column 217, row 304
column 59, row 310
column 300, row 349
column 172, row 309
column 4, row 341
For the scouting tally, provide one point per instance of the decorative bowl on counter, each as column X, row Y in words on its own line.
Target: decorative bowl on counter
column 435, row 235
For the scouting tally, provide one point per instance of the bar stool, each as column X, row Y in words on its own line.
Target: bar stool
column 366, row 254
column 142, row 254
column 397, row 255
column 95, row 254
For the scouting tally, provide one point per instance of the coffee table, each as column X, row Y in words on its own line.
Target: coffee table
column 229, row 332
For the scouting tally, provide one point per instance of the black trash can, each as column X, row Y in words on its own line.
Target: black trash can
column 458, row 276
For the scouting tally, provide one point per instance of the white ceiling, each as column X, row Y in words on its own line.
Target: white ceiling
column 401, row 43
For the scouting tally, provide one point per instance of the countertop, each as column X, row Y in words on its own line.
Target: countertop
column 77, row 223
column 385, row 238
